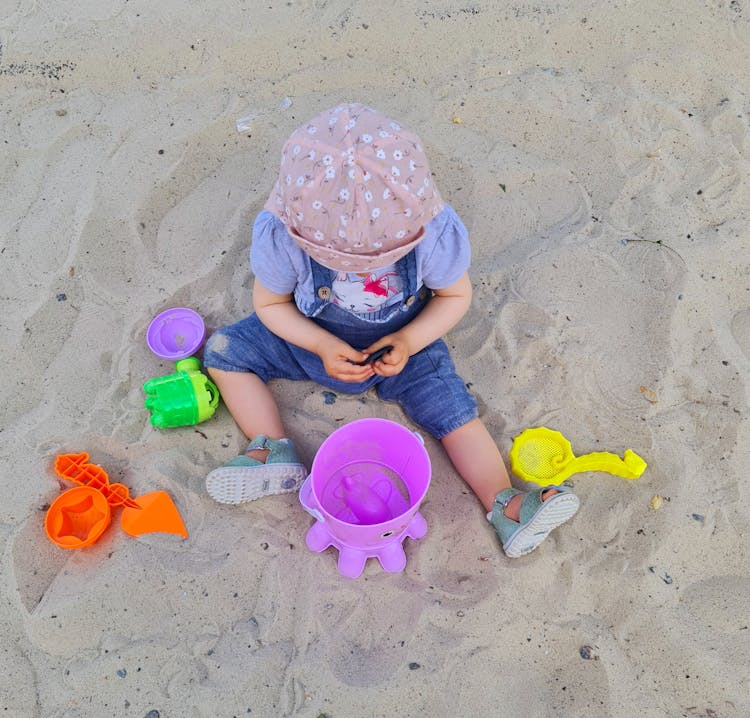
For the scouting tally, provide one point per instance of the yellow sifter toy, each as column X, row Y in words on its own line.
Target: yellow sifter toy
column 545, row 457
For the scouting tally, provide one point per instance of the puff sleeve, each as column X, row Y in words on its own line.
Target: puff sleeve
column 273, row 255
column 445, row 251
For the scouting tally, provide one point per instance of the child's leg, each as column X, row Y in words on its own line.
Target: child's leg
column 270, row 464
column 251, row 405
column 477, row 459
column 522, row 520
column 241, row 358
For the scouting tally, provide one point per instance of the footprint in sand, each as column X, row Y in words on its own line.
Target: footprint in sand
column 361, row 651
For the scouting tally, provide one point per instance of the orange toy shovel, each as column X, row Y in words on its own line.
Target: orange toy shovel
column 149, row 513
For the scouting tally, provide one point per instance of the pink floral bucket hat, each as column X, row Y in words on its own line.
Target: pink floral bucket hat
column 354, row 189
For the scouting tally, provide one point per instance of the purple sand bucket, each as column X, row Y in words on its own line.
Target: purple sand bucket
column 367, row 482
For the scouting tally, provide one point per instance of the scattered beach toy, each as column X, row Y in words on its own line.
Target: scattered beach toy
column 184, row 398
column 176, row 333
column 544, row 456
column 79, row 516
column 188, row 396
column 364, row 490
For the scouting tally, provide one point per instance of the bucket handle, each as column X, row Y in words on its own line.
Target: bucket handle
column 305, row 499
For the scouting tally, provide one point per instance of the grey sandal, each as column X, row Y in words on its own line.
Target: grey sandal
column 244, row 479
column 537, row 518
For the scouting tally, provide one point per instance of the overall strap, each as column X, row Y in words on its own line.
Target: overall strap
column 322, row 280
column 407, row 270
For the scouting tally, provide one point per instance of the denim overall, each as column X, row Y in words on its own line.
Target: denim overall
column 428, row 389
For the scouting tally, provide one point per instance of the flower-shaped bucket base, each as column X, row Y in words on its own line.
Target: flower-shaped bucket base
column 352, row 559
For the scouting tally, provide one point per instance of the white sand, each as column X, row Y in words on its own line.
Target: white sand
column 601, row 164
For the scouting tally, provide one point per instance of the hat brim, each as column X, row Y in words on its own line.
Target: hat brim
column 348, row 262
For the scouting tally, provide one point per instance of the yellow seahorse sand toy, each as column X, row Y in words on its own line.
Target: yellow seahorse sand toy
column 544, row 457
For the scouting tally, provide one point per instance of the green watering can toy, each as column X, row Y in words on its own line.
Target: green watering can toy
column 184, row 398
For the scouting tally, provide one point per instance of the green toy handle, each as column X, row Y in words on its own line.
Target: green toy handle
column 188, row 364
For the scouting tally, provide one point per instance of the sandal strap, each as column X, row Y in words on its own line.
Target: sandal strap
column 263, row 442
column 532, row 501
column 504, row 497
column 280, row 451
column 530, row 498
column 258, row 442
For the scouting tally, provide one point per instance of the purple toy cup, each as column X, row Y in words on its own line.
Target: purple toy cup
column 176, row 333
column 367, row 482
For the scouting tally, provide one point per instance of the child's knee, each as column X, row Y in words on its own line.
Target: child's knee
column 217, row 343
column 219, row 353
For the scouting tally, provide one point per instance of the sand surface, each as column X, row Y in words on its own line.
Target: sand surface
column 598, row 153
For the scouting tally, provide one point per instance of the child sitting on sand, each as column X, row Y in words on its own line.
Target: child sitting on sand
column 355, row 251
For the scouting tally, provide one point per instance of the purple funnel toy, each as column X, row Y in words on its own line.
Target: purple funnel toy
column 176, row 333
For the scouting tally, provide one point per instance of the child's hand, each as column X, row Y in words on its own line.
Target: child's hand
column 341, row 362
column 393, row 361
